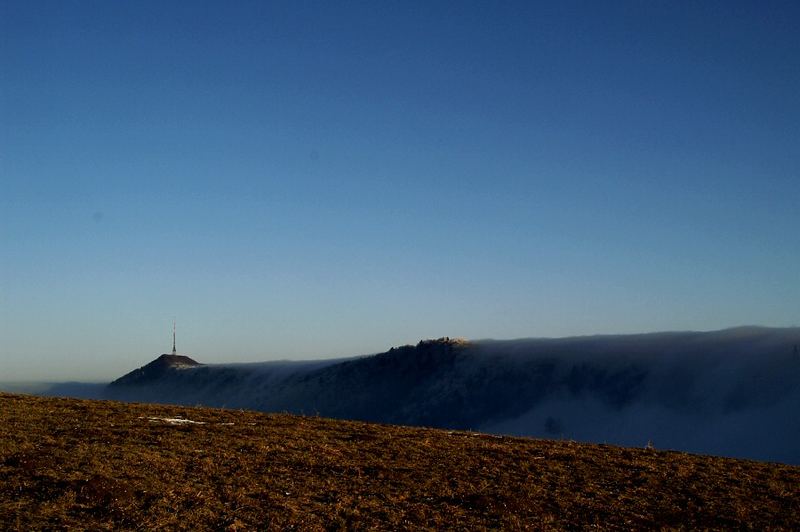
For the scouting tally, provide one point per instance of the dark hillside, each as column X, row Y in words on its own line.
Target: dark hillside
column 99, row 465
column 156, row 369
column 733, row 393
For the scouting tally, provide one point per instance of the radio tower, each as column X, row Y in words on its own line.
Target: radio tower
column 174, row 351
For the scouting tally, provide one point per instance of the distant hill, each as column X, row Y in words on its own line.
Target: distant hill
column 159, row 368
column 102, row 465
column 734, row 392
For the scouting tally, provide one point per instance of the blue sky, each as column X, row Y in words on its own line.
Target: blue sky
column 302, row 180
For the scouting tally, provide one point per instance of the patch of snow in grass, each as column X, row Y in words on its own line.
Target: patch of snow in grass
column 175, row 421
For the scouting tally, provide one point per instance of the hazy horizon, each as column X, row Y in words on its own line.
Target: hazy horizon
column 301, row 180
column 27, row 384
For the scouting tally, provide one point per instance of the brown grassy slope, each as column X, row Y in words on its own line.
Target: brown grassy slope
column 103, row 465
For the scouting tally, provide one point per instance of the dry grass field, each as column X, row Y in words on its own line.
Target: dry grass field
column 98, row 465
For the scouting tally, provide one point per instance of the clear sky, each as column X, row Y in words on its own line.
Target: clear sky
column 313, row 179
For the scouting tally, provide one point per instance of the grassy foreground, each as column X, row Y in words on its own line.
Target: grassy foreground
column 68, row 463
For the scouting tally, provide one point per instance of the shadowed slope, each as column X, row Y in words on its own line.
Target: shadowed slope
column 156, row 369
column 733, row 392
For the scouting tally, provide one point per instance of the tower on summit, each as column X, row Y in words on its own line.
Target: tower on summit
column 174, row 351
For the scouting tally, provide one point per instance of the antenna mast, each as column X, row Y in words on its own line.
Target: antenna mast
column 174, row 351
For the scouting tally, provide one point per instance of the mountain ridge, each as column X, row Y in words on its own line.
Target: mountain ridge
column 714, row 392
